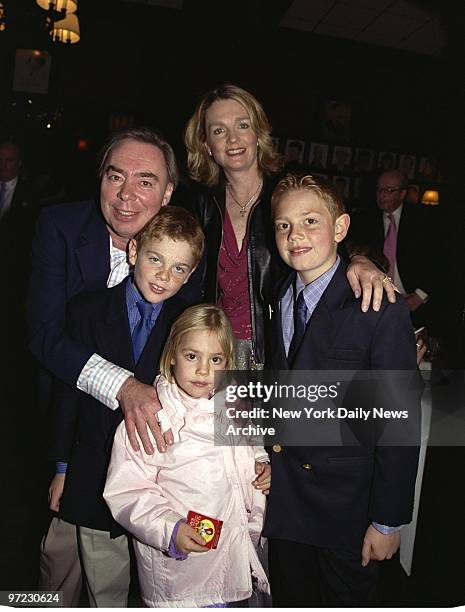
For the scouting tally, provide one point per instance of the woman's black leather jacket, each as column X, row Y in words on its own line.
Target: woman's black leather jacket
column 264, row 264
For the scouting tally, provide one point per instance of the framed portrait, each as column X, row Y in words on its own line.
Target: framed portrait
column 275, row 141
column 336, row 121
column 406, row 165
column 318, row 156
column 294, row 151
column 342, row 186
column 386, row 161
column 32, row 71
column 341, row 160
column 426, row 169
column 413, row 194
column 363, row 161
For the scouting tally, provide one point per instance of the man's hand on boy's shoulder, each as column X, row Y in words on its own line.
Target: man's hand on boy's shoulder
column 139, row 404
column 378, row 546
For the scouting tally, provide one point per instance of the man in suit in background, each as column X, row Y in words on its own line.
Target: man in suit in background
column 403, row 232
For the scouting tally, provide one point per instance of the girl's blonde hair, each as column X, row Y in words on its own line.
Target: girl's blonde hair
column 202, row 167
column 200, row 317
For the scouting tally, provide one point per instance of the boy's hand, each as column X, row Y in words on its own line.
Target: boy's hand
column 188, row 540
column 366, row 279
column 139, row 404
column 378, row 546
column 55, row 491
column 263, row 480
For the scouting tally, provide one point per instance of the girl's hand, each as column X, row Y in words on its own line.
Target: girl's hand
column 263, row 480
column 188, row 540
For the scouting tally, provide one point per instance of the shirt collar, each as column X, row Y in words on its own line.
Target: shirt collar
column 133, row 296
column 396, row 214
column 9, row 185
column 116, row 253
column 320, row 283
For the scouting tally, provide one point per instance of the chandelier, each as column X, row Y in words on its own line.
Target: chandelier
column 58, row 16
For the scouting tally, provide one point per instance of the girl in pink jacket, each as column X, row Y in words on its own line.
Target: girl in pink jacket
column 151, row 495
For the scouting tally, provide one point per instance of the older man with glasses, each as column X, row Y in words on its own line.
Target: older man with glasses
column 403, row 233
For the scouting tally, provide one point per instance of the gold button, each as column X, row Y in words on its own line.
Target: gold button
column 307, row 466
column 277, row 448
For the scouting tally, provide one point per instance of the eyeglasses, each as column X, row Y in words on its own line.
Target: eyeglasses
column 389, row 189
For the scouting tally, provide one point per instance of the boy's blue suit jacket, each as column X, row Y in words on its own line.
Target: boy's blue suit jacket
column 327, row 496
column 83, row 428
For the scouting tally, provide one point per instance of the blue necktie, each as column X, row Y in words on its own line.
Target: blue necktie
column 300, row 323
column 142, row 329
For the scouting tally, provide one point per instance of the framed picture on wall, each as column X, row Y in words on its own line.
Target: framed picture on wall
column 407, row 165
column 340, row 162
column 342, row 186
column 32, row 71
column 318, row 157
column 275, row 141
column 294, row 151
column 363, row 161
column 413, row 194
column 336, row 120
column 386, row 161
column 426, row 169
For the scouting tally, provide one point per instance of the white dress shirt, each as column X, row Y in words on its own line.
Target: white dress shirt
column 10, row 187
column 99, row 377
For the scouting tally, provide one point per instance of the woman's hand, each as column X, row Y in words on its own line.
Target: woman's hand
column 367, row 280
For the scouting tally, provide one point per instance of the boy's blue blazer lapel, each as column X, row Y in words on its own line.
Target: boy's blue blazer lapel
column 149, row 362
column 278, row 359
column 323, row 326
column 115, row 334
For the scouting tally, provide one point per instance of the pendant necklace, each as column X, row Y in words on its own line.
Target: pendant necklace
column 243, row 207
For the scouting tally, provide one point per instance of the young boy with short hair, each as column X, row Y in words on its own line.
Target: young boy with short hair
column 333, row 512
column 127, row 324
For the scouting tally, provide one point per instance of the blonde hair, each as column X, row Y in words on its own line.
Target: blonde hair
column 325, row 192
column 206, row 317
column 177, row 224
column 201, row 165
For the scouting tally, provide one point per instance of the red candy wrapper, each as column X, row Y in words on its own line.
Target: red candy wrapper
column 209, row 528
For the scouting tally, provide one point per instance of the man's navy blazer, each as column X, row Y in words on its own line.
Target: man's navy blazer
column 83, row 428
column 70, row 255
column 414, row 243
column 327, row 496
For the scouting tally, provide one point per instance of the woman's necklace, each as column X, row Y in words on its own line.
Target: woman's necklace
column 243, row 207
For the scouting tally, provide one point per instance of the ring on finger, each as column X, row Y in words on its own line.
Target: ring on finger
column 387, row 279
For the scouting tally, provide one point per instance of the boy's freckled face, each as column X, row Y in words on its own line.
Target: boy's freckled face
column 197, row 358
column 161, row 267
column 306, row 235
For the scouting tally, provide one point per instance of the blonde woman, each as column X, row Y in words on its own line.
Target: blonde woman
column 231, row 156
